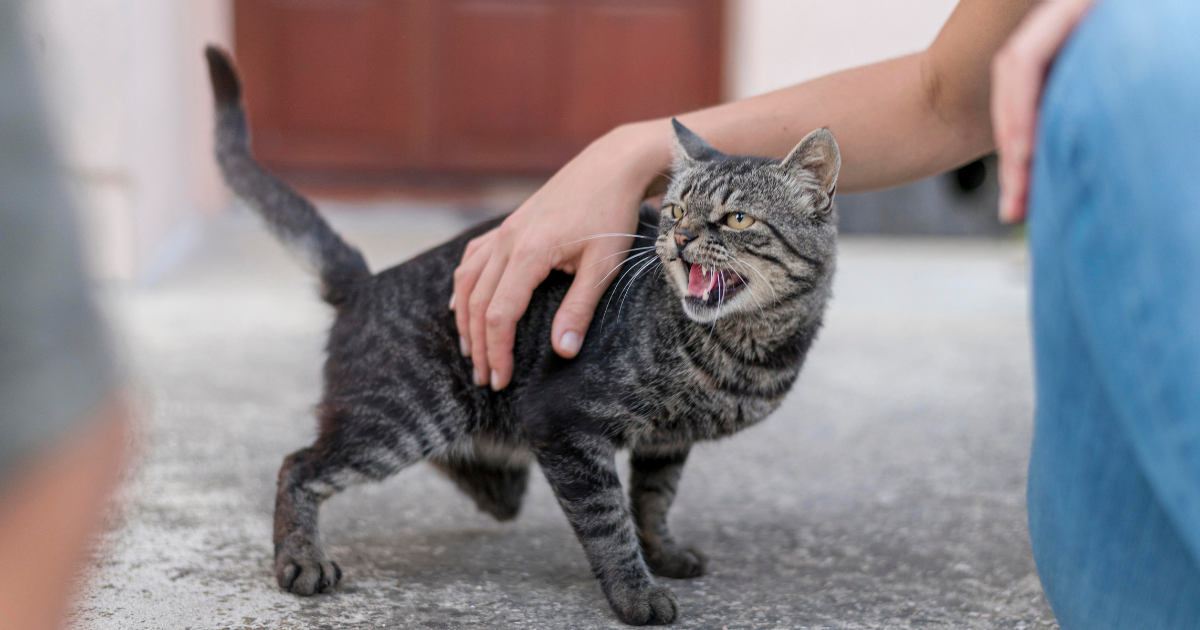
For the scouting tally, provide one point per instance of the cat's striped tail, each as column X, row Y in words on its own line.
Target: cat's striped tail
column 291, row 217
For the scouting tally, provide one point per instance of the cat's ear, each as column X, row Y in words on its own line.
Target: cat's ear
column 815, row 162
column 690, row 148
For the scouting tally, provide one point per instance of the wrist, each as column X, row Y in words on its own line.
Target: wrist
column 644, row 147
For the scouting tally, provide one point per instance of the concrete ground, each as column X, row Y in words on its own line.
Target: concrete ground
column 887, row 492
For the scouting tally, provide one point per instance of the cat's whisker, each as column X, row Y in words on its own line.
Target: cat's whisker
column 595, row 236
column 632, row 249
column 616, row 287
column 642, row 266
column 616, row 267
column 775, row 295
column 717, row 312
column 756, row 300
column 641, row 270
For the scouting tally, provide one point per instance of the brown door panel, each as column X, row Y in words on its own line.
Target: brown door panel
column 632, row 60
column 465, row 86
column 331, row 84
column 497, row 84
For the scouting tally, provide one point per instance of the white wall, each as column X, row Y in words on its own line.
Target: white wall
column 127, row 89
column 776, row 43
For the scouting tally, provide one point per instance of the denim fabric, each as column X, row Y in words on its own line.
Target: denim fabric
column 1114, row 477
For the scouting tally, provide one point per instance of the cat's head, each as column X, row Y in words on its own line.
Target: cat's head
column 748, row 235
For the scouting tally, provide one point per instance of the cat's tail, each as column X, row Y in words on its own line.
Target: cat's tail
column 291, row 217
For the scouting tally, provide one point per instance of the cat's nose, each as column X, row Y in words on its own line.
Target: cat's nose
column 683, row 237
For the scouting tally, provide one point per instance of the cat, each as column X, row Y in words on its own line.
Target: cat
column 704, row 333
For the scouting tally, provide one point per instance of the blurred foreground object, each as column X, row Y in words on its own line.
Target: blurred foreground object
column 62, row 427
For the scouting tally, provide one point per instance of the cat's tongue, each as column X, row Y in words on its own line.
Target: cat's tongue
column 700, row 283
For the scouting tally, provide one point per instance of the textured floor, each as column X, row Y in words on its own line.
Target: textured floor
column 887, row 492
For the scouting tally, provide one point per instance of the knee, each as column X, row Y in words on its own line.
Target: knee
column 1110, row 124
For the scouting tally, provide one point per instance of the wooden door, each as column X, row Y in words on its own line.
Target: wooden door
column 465, row 86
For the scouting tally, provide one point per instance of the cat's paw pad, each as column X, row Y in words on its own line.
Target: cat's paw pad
column 652, row 605
column 306, row 573
column 677, row 562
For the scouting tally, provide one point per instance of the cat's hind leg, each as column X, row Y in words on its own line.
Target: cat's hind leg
column 654, row 475
column 357, row 444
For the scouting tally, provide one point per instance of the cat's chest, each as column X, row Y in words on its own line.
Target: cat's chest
column 704, row 404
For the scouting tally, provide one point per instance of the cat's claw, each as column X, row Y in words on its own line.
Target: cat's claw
column 677, row 562
column 653, row 605
column 307, row 574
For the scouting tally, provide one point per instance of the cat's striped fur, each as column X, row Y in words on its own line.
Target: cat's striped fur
column 663, row 365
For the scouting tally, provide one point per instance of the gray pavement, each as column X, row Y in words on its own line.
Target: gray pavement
column 887, row 492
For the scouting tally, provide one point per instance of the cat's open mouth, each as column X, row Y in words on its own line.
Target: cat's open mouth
column 709, row 287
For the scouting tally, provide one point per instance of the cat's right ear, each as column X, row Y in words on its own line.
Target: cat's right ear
column 691, row 148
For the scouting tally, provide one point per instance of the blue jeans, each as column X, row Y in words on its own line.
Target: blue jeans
column 1114, row 477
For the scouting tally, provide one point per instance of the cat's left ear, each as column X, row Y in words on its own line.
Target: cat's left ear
column 815, row 162
column 691, row 148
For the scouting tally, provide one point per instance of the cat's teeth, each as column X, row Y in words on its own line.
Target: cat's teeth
column 702, row 280
column 712, row 282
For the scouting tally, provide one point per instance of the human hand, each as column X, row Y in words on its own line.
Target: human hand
column 580, row 222
column 1018, row 72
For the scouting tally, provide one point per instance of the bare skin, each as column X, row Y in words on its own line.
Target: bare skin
column 896, row 121
column 1018, row 73
column 50, row 513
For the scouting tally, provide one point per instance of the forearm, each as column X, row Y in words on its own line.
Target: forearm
column 885, row 116
column 896, row 121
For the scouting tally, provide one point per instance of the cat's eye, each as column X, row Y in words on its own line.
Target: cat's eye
column 739, row 220
column 676, row 212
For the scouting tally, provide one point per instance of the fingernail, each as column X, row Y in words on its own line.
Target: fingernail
column 463, row 346
column 452, row 296
column 570, row 342
column 495, row 381
column 480, row 380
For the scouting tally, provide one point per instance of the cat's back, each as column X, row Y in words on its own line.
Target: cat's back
column 397, row 326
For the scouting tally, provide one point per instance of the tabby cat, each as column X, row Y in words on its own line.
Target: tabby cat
column 703, row 335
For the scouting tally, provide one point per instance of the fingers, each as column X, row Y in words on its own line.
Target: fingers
column 1015, row 125
column 527, row 268
column 492, row 290
column 1014, row 185
column 594, row 196
column 1018, row 73
column 478, row 303
column 475, row 258
column 578, row 307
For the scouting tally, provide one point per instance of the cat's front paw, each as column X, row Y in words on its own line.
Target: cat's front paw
column 304, row 570
column 650, row 605
column 676, row 562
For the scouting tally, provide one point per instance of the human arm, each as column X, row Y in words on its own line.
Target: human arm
column 1018, row 72
column 896, row 121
